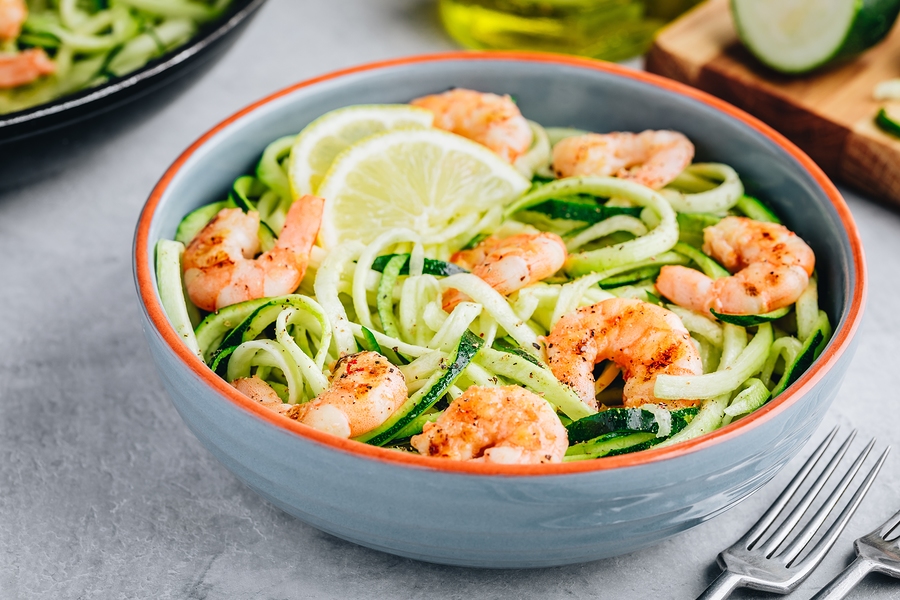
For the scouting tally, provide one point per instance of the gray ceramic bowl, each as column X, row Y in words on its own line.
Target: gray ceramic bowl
column 497, row 515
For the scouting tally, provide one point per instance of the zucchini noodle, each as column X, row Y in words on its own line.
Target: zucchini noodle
column 749, row 361
column 388, row 296
column 328, row 279
column 723, row 195
column 496, row 306
column 632, row 225
column 662, row 237
column 266, row 353
column 537, row 158
column 171, row 292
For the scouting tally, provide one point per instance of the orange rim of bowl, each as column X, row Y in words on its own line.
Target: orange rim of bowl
column 805, row 384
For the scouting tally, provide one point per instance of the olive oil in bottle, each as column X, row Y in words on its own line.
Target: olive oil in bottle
column 608, row 29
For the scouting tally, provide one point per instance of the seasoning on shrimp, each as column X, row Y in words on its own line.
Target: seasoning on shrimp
column 651, row 158
column 771, row 267
column 491, row 120
column 219, row 268
column 511, row 263
column 365, row 390
column 507, row 425
column 643, row 339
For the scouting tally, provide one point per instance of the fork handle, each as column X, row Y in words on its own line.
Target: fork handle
column 722, row 587
column 841, row 585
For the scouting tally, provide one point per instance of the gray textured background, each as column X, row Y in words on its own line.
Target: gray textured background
column 103, row 491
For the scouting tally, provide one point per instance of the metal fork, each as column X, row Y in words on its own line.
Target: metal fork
column 879, row 551
column 758, row 560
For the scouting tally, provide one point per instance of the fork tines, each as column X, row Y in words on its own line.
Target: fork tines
column 778, row 535
column 768, row 557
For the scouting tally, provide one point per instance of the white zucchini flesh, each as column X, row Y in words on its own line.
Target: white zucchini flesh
column 794, row 35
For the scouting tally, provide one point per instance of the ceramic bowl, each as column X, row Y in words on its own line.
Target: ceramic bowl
column 484, row 515
column 210, row 42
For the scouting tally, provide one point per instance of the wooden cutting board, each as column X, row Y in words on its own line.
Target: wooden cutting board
column 829, row 114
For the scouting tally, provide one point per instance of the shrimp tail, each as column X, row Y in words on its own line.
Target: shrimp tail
column 301, row 227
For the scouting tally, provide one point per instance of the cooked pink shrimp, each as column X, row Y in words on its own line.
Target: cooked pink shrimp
column 771, row 267
column 219, row 268
column 365, row 390
column 259, row 391
column 651, row 158
column 491, row 120
column 511, row 263
column 643, row 339
column 507, row 425
column 12, row 14
column 24, row 67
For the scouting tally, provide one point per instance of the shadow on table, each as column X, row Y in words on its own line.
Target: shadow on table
column 51, row 152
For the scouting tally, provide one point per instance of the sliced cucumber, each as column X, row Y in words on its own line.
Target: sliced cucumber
column 811, row 349
column 509, row 346
column 213, row 329
column 171, row 292
column 252, row 325
column 425, row 398
column 691, row 226
column 630, row 277
column 433, row 266
column 416, row 425
column 751, row 320
column 587, row 211
column 197, row 219
column 267, row 237
column 624, row 441
column 368, row 342
column 617, row 442
column 796, row 36
column 624, row 419
column 757, row 210
column 384, row 302
column 888, row 120
column 476, row 240
column 707, row 264
column 243, row 189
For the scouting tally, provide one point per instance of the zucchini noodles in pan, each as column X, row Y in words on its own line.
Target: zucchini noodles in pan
column 50, row 48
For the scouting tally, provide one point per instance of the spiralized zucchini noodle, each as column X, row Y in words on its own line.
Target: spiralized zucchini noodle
column 64, row 46
column 387, row 296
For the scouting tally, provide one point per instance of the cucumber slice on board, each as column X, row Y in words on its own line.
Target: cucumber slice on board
column 796, row 36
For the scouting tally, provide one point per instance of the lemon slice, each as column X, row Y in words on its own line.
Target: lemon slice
column 433, row 182
column 332, row 133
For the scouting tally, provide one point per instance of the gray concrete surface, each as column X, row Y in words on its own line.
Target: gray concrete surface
column 103, row 491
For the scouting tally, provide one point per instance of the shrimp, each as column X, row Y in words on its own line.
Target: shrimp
column 491, row 120
column 365, row 390
column 12, row 14
column 24, row 67
column 651, row 158
column 643, row 339
column 508, row 425
column 259, row 391
column 219, row 268
column 771, row 267
column 510, row 264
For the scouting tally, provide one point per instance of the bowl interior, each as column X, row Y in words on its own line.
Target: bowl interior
column 553, row 91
